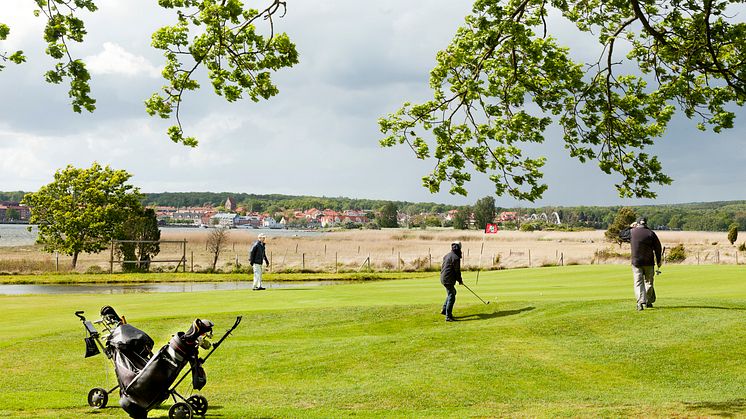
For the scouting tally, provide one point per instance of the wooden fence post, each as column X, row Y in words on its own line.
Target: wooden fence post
column 336, row 263
column 529, row 258
column 303, row 262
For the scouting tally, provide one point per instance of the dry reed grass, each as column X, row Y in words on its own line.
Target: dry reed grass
column 390, row 250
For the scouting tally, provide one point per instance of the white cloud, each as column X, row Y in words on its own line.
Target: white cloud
column 116, row 60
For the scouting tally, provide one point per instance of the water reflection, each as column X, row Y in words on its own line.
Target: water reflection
column 152, row 288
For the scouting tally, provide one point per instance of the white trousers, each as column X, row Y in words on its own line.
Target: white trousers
column 257, row 275
column 644, row 276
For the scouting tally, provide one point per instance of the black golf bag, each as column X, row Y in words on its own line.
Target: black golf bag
column 146, row 379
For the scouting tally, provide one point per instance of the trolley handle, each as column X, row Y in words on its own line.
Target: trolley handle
column 80, row 315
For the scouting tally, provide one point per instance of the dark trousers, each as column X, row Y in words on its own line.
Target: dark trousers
column 450, row 299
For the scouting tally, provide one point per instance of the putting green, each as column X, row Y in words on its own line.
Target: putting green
column 553, row 342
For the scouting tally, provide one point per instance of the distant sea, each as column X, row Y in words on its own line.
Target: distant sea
column 18, row 234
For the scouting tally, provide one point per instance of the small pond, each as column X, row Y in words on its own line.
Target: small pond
column 23, row 289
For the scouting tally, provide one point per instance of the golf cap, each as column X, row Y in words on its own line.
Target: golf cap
column 261, row 236
column 642, row 221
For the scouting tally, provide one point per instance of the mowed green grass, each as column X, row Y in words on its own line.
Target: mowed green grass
column 554, row 342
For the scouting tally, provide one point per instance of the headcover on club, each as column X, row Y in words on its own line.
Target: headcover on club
column 198, row 328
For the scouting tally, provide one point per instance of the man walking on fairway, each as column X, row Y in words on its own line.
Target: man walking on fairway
column 646, row 250
column 450, row 273
column 257, row 256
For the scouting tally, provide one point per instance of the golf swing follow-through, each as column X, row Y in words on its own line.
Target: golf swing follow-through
column 450, row 274
column 475, row 294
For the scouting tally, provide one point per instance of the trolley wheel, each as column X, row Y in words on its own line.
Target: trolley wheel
column 198, row 403
column 180, row 410
column 98, row 398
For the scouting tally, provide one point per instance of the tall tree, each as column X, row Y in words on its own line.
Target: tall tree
column 82, row 209
column 220, row 38
column 388, row 216
column 656, row 57
column 461, row 218
column 624, row 217
column 733, row 233
column 141, row 237
column 484, row 212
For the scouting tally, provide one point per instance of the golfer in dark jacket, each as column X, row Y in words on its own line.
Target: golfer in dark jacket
column 646, row 250
column 450, row 274
column 258, row 255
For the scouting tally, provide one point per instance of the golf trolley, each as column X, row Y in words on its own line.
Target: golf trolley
column 145, row 380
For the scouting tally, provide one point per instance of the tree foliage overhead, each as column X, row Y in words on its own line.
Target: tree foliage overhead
column 220, row 37
column 504, row 79
column 81, row 210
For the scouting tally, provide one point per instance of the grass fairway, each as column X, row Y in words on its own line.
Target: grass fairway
column 553, row 342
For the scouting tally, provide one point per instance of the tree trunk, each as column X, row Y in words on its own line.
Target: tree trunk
column 75, row 259
column 215, row 261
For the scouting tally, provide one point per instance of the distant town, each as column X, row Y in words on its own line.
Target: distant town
column 232, row 216
column 292, row 212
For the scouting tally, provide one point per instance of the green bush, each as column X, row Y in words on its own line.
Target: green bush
column 742, row 247
column 94, row 269
column 676, row 254
column 609, row 253
column 530, row 227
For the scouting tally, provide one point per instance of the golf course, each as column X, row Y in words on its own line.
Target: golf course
column 556, row 341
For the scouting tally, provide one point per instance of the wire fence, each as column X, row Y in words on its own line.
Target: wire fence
column 395, row 251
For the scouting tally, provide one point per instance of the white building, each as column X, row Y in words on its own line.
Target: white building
column 223, row 219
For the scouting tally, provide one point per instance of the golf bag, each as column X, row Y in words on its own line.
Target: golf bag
column 145, row 380
column 144, row 386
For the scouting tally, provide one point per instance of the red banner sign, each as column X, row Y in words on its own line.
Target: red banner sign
column 491, row 229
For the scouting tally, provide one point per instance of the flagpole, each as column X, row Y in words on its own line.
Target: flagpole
column 479, row 267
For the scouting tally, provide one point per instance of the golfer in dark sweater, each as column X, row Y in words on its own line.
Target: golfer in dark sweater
column 646, row 250
column 450, row 274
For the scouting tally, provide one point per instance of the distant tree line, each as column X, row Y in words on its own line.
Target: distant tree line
column 12, row 196
column 703, row 216
column 709, row 216
column 274, row 203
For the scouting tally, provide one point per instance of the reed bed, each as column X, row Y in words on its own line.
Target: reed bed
column 386, row 250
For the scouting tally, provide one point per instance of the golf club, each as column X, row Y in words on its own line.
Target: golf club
column 663, row 253
column 475, row 294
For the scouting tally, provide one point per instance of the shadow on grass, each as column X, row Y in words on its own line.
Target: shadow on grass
column 699, row 307
column 157, row 412
column 728, row 408
column 493, row 315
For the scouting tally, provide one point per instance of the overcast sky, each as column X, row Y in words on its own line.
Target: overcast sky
column 359, row 60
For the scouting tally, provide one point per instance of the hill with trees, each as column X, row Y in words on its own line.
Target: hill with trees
column 695, row 216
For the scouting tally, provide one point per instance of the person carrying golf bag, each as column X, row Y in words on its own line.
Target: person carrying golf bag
column 646, row 249
column 450, row 274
